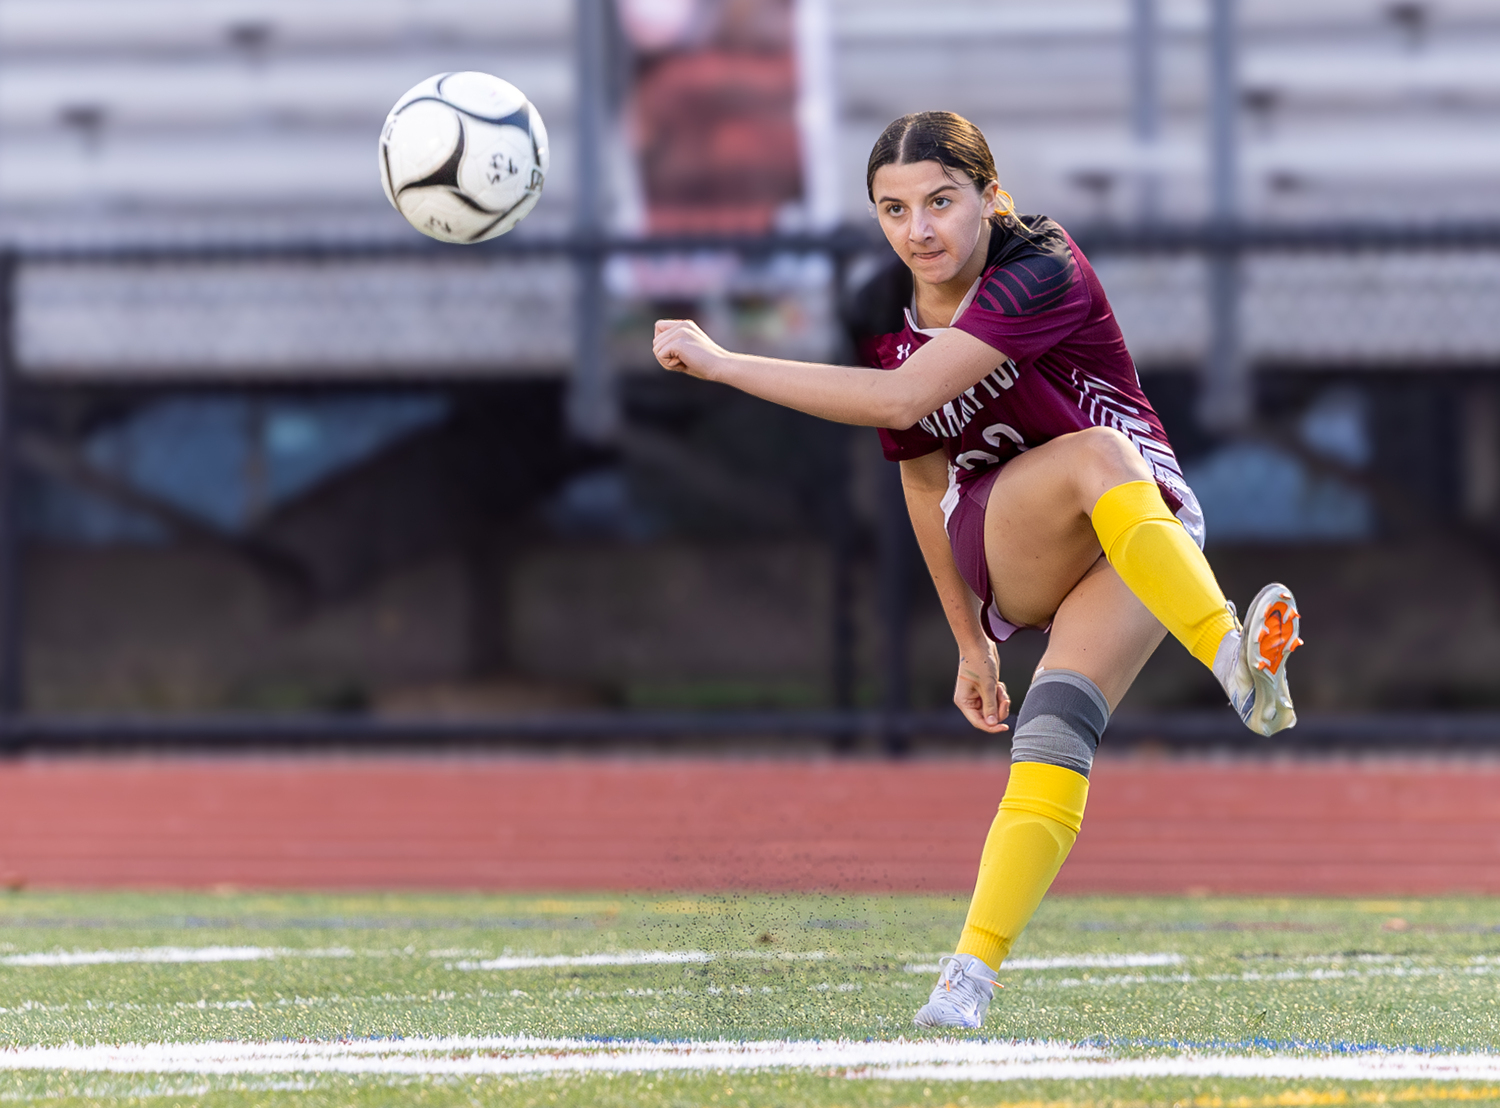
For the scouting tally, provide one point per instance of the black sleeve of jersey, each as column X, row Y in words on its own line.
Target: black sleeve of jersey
column 877, row 307
column 1036, row 268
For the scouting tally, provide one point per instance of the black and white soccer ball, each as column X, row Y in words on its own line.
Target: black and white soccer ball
column 463, row 156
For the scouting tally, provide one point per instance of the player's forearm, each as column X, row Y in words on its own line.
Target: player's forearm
column 932, row 375
column 843, row 394
column 960, row 605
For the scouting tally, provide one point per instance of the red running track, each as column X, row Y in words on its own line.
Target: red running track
column 1383, row 827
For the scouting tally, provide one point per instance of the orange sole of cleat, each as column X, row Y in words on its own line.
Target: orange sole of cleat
column 1278, row 636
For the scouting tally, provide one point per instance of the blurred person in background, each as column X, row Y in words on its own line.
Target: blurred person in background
column 713, row 113
column 1043, row 492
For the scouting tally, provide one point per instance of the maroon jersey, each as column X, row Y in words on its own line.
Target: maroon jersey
column 1062, row 363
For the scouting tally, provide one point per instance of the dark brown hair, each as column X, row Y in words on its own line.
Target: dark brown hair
column 943, row 137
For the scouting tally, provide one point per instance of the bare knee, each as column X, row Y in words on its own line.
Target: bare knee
column 1106, row 458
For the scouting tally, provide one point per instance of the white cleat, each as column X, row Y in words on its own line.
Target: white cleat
column 962, row 995
column 1257, row 687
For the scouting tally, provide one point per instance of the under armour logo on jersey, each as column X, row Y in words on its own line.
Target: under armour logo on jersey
column 902, row 350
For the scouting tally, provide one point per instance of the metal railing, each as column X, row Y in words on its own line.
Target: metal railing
column 894, row 724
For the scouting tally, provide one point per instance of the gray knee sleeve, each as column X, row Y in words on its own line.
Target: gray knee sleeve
column 1061, row 720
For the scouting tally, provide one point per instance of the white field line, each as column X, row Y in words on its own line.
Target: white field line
column 1364, row 1067
column 1363, row 967
column 520, row 1055
column 1368, row 966
column 632, row 958
column 921, row 1060
column 617, row 958
column 1070, row 961
column 167, row 954
column 1470, row 970
column 170, row 954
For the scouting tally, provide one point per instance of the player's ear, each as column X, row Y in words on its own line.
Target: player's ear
column 992, row 196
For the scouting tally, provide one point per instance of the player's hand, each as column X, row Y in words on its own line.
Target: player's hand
column 979, row 693
column 681, row 346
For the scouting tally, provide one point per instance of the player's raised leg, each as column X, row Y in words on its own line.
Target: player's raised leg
column 1101, row 636
column 1057, row 504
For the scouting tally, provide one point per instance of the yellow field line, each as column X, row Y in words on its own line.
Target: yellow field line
column 1290, row 1098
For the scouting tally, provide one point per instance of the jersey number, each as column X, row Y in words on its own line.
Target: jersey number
column 993, row 434
column 995, row 431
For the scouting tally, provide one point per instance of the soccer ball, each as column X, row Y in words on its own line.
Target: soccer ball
column 463, row 156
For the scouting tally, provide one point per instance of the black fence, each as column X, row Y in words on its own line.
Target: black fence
column 894, row 726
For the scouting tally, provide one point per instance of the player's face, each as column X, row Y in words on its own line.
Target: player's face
column 933, row 217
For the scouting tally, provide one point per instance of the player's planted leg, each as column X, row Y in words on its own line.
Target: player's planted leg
column 1056, row 735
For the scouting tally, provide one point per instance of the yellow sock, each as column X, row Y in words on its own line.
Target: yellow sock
column 1159, row 562
column 1039, row 818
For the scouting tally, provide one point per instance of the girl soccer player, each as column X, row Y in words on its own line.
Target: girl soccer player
column 1042, row 490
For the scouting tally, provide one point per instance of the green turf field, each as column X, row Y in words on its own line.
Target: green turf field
column 1119, row 979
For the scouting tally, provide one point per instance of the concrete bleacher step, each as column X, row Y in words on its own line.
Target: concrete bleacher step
column 144, row 26
column 192, row 104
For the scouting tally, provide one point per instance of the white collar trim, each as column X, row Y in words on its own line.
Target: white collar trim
column 963, row 306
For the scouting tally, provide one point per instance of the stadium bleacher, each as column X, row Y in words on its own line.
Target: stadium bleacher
column 163, row 122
